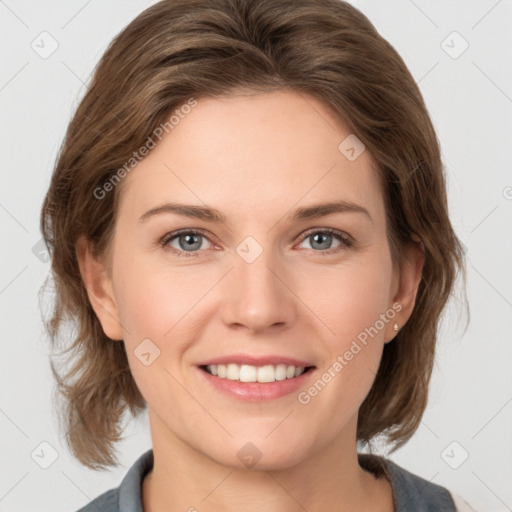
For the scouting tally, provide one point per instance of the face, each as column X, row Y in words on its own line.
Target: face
column 270, row 279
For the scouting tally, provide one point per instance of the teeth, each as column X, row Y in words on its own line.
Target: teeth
column 247, row 373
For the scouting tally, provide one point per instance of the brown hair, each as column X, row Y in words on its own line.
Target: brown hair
column 178, row 49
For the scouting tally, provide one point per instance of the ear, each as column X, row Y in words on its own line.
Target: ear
column 406, row 285
column 99, row 288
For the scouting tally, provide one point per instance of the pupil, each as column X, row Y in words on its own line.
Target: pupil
column 321, row 235
column 189, row 241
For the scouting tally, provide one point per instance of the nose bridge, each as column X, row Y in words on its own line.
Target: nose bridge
column 257, row 296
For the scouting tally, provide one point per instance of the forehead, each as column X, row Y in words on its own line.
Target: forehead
column 252, row 153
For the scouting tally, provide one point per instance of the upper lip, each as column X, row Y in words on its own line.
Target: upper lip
column 255, row 360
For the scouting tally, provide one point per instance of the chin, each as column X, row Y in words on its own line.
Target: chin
column 264, row 455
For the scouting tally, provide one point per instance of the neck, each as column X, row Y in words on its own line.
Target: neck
column 184, row 478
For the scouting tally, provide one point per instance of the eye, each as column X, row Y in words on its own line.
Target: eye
column 321, row 239
column 188, row 241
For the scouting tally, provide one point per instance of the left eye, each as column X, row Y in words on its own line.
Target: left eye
column 323, row 237
column 191, row 241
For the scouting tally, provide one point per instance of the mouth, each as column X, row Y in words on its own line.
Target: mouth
column 265, row 374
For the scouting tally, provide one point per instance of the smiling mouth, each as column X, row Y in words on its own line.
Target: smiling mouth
column 261, row 374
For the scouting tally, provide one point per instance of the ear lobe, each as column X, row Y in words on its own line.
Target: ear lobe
column 99, row 290
column 409, row 281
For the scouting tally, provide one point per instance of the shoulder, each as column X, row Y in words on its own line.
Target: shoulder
column 106, row 502
column 416, row 493
column 411, row 493
column 128, row 496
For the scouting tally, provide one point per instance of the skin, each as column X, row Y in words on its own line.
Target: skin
column 255, row 158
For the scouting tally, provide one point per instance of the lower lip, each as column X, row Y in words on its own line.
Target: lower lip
column 256, row 391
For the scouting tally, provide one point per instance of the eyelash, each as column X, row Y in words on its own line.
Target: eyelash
column 346, row 241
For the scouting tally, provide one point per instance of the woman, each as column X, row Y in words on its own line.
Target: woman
column 248, row 225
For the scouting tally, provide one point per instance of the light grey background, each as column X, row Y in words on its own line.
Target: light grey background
column 469, row 97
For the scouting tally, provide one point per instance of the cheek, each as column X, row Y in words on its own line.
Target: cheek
column 148, row 300
column 150, row 306
column 351, row 298
column 347, row 299
column 160, row 303
column 353, row 304
column 144, row 305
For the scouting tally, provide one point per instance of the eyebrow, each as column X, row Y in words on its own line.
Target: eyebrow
column 211, row 214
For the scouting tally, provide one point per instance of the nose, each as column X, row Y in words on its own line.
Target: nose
column 258, row 296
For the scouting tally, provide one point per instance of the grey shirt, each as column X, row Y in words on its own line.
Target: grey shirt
column 411, row 493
